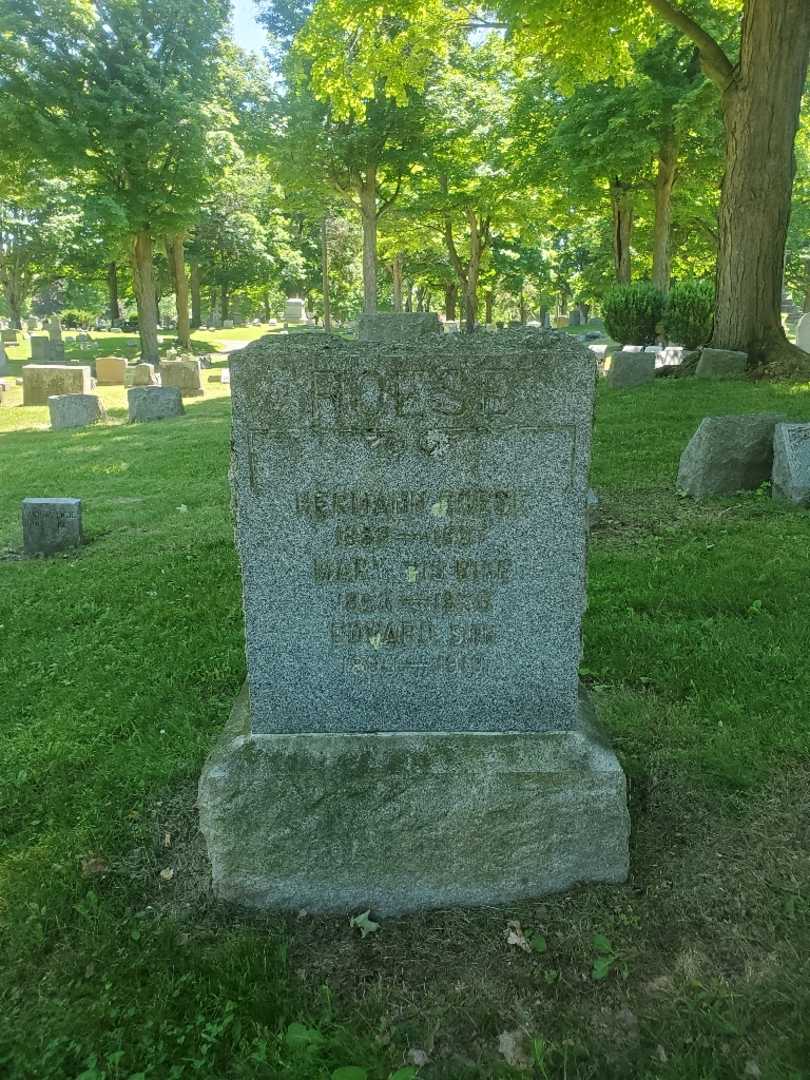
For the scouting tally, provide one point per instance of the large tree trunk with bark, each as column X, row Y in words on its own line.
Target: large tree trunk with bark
column 761, row 111
column 367, row 196
column 396, row 282
column 143, row 283
column 196, row 297
column 621, row 199
column 489, row 303
column 664, row 182
column 226, row 303
column 450, row 300
column 113, row 306
column 177, row 268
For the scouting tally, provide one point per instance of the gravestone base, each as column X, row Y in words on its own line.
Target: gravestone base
column 404, row 821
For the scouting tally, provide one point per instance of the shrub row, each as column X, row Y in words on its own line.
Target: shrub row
column 634, row 314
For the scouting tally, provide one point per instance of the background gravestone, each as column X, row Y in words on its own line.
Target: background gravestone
column 411, row 522
column 295, row 310
column 630, row 369
column 40, row 349
column 154, row 403
column 728, row 454
column 75, row 410
column 51, row 525
column 4, row 364
column 721, row 363
column 41, row 381
column 397, row 326
column 791, row 463
column 184, row 374
column 111, row 370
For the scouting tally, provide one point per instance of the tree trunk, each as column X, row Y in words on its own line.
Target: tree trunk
column 761, row 111
column 112, row 293
column 266, row 305
column 143, row 283
column 409, row 296
column 622, row 202
column 327, row 313
column 489, row 303
column 367, row 194
column 664, row 182
column 177, row 267
column 806, row 305
column 13, row 295
column 450, row 301
column 226, row 303
column 196, row 298
column 522, row 306
column 396, row 282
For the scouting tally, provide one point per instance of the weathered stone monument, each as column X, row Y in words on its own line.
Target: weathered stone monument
column 184, row 374
column 57, row 346
column 144, row 375
column 75, row 410
column 51, row 525
column 630, row 369
column 4, row 364
column 803, row 332
column 791, row 463
column 295, row 310
column 728, row 454
column 41, row 381
column 411, row 522
column 721, row 364
column 40, row 349
column 154, row 403
column 111, row 370
column 8, row 337
column 397, row 326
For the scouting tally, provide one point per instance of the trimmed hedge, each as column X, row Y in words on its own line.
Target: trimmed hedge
column 632, row 313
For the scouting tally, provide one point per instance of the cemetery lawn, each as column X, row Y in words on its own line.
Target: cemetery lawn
column 118, row 666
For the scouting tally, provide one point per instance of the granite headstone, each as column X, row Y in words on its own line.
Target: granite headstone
column 728, row 454
column 803, row 332
column 184, row 374
column 41, row 381
column 51, row 525
column 75, row 410
column 154, row 403
column 721, row 364
column 629, row 369
column 411, row 521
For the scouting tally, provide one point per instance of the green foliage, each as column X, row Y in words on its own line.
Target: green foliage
column 688, row 313
column 75, row 318
column 632, row 312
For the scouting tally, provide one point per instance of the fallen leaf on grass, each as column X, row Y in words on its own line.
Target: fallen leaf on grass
column 528, row 940
column 418, row 1057
column 94, row 864
column 167, row 873
column 364, row 924
column 512, row 1045
column 167, row 839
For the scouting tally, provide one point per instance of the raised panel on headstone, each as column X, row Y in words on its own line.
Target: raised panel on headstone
column 411, row 524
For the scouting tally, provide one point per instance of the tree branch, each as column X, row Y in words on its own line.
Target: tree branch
column 715, row 63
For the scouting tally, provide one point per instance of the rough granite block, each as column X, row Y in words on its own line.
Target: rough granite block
column 630, row 369
column 184, row 374
column 154, row 403
column 403, row 821
column 111, row 370
column 728, row 454
column 75, row 410
column 721, row 364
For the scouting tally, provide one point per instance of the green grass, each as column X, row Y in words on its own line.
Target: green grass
column 117, row 668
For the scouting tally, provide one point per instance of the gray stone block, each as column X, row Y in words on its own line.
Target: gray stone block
column 144, row 375
column 184, row 374
column 410, row 820
column 721, row 364
column 402, row 326
column 40, row 349
column 791, row 463
column 75, row 410
column 41, row 381
column 9, row 337
column 154, row 403
column 728, row 454
column 803, row 332
column 630, row 369
column 51, row 525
